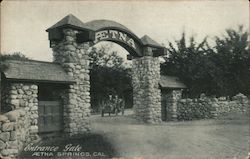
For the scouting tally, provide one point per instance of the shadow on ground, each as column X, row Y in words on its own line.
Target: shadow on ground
column 88, row 146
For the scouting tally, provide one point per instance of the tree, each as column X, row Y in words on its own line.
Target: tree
column 232, row 57
column 102, row 58
column 4, row 66
column 190, row 61
column 13, row 56
column 107, row 75
column 222, row 70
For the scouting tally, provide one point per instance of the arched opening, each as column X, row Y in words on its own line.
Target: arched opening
column 70, row 40
column 110, row 79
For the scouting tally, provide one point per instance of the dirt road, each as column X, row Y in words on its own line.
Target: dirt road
column 124, row 138
column 205, row 139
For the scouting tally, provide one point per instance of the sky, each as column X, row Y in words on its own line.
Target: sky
column 23, row 23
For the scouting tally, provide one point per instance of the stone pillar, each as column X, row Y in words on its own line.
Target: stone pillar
column 19, row 124
column 23, row 96
column 172, row 99
column 146, row 91
column 176, row 96
column 75, row 60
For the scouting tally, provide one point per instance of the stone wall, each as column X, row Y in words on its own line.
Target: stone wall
column 239, row 103
column 171, row 97
column 205, row 107
column 14, row 133
column 189, row 109
column 75, row 60
column 146, row 92
column 18, row 126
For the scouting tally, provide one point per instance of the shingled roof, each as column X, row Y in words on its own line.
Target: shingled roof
column 146, row 40
column 171, row 82
column 69, row 20
column 37, row 71
column 103, row 23
column 95, row 25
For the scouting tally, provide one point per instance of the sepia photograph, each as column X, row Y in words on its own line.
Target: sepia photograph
column 125, row 79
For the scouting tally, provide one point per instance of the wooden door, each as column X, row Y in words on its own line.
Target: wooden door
column 50, row 116
column 163, row 106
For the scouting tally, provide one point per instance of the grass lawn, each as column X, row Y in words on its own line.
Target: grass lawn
column 122, row 136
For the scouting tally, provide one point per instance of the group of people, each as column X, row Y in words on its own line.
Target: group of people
column 113, row 105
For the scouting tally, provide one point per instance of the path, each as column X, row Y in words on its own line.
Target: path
column 205, row 139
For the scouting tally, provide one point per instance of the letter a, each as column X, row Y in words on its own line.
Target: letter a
column 132, row 43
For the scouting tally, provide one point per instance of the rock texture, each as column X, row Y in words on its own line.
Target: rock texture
column 75, row 60
column 239, row 103
column 189, row 109
column 19, row 125
column 205, row 107
column 146, row 92
column 172, row 98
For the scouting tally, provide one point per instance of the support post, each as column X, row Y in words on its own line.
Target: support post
column 75, row 60
column 146, row 91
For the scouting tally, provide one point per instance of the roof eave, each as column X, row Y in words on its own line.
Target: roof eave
column 39, row 81
column 154, row 46
column 69, row 26
column 172, row 87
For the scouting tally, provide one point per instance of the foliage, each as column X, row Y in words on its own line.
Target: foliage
column 189, row 62
column 102, row 58
column 219, row 70
column 14, row 56
column 108, row 76
column 232, row 57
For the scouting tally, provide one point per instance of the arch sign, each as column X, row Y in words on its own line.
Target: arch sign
column 114, row 35
column 142, row 50
column 121, row 38
column 105, row 30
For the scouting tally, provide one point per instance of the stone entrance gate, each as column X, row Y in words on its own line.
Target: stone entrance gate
column 70, row 40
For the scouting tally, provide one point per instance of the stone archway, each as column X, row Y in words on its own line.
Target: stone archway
column 70, row 40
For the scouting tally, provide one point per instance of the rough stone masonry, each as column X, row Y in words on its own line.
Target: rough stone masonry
column 70, row 39
column 146, row 92
column 19, row 126
column 75, row 60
